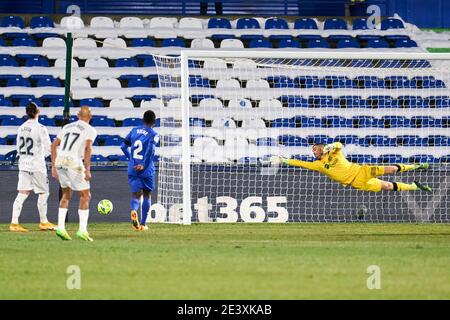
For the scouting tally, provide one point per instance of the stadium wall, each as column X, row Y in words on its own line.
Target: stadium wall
column 321, row 206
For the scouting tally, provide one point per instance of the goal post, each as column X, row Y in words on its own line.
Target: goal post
column 225, row 113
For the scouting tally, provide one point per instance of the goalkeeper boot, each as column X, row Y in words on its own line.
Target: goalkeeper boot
column 423, row 187
column 15, row 227
column 142, row 227
column 62, row 233
column 84, row 236
column 423, row 166
column 135, row 220
column 47, row 226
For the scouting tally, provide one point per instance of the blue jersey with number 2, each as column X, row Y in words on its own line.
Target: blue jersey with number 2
column 140, row 145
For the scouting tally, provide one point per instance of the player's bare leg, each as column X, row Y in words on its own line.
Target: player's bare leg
column 22, row 195
column 400, row 186
column 62, row 213
column 136, row 198
column 83, row 212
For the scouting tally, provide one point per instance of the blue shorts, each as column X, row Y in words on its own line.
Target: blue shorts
column 138, row 183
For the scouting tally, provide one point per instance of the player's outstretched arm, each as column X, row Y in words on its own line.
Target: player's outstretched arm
column 314, row 165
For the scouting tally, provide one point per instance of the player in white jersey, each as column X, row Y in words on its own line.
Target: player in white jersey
column 71, row 160
column 33, row 146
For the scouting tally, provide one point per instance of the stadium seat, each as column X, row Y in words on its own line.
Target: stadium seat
column 282, row 82
column 270, row 104
column 8, row 61
column 266, row 142
column 366, row 122
column 46, row 121
column 405, row 43
column 425, row 122
column 173, row 42
column 247, row 23
column 26, row 101
column 396, row 82
column 36, row 62
column 41, row 22
column 347, row 43
column 347, row 139
column 114, row 140
column 12, row 121
column 12, row 21
column 335, row 122
column 101, row 121
column 439, row 101
column 202, row 44
column 17, row 81
column 138, row 81
column 423, row 158
column 321, row 101
column 293, row 141
column 335, row 24
column 392, row 159
column 308, row 81
column 377, row 44
column 283, row 122
column 289, row 43
column 318, row 43
column 381, row 102
column 198, row 81
column 305, row 24
column 142, row 42
column 240, row 103
column 276, row 23
column 231, row 44
column 228, row 83
column 260, row 43
column 53, row 42
column 197, row 122
column 24, row 42
column 360, row 24
column 4, row 102
column 391, row 23
column 48, row 82
column 132, row 122
column 210, row 103
column 351, row 102
column 127, row 63
column 109, row 83
column 321, row 138
column 121, row 103
column 410, row 141
column 377, row 141
column 295, row 101
column 219, row 23
column 362, row 158
column 91, row 102
column 395, row 121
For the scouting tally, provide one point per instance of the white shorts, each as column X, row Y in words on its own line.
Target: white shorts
column 73, row 179
column 36, row 181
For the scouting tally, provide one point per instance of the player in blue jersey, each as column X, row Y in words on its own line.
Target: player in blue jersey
column 139, row 148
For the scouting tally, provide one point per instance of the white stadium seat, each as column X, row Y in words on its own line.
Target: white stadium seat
column 131, row 23
column 61, row 63
column 205, row 142
column 270, row 104
column 258, row 84
column 96, row 63
column 152, row 104
column 162, row 28
column 114, row 43
column 190, row 28
column 202, row 44
column 211, row 103
column 53, row 42
column 102, row 22
column 72, row 22
column 121, row 103
column 240, row 103
column 228, row 84
column 80, row 83
column 223, row 123
column 231, row 44
column 109, row 83
column 84, row 43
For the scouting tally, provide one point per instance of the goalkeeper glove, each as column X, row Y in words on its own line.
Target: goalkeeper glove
column 328, row 148
column 278, row 160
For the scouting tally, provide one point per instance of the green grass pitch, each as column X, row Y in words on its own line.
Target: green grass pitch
column 230, row 261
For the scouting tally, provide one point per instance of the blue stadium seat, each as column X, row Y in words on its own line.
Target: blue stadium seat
column 219, row 23
column 149, row 62
column 173, row 42
column 321, row 138
column 439, row 101
column 412, row 102
column 335, row 24
column 101, row 121
column 395, row 121
column 91, row 102
column 321, row 101
column 336, row 122
column 46, row 121
column 248, row 160
column 8, row 61
column 199, row 82
column 36, row 62
column 142, row 42
column 360, row 24
column 5, row 102
column 12, row 121
column 197, row 122
column 368, row 82
column 438, row 141
column 276, row 23
column 24, row 42
column 392, row 159
column 289, row 43
column 395, row 37
column 347, row 43
column 3, row 142
column 405, row 43
column 318, row 43
column 377, row 44
column 366, row 122
column 58, row 102
column 99, row 158
column 410, row 141
column 391, row 23
column 294, row 101
column 351, row 102
column 381, row 102
column 423, row 158
column 308, row 82
column 127, row 63
column 72, row 118
column 26, row 101
column 48, row 82
column 282, row 122
column 425, row 122
column 139, row 82
column 336, row 82
column 247, row 23
column 362, row 158
column 41, row 22
column 260, row 43
column 117, row 157
column 427, row 82
column 12, row 21
column 267, row 142
column 132, row 122
column 308, row 122
column 347, row 139
column 282, row 82
column 397, row 82
column 17, row 81
column 293, row 141
column 445, row 159
column 378, row 141
column 305, row 24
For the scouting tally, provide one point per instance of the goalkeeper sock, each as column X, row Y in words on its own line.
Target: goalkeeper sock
column 400, row 186
column 406, row 167
column 134, row 204
column 145, row 209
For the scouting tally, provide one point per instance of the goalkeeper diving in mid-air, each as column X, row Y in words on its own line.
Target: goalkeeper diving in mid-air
column 332, row 162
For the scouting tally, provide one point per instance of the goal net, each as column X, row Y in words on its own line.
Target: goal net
column 226, row 113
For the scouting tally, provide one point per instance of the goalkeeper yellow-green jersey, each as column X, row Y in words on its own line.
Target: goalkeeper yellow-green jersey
column 333, row 164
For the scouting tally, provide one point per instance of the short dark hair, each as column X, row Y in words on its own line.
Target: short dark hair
column 149, row 117
column 318, row 144
column 31, row 110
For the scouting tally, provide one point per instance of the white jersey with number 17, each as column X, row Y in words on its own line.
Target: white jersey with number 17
column 33, row 146
column 73, row 138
